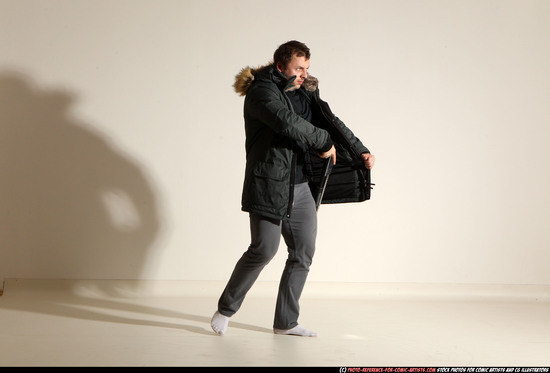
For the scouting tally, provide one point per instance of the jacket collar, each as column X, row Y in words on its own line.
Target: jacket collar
column 247, row 75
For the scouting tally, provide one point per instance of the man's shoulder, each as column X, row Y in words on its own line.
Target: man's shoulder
column 262, row 87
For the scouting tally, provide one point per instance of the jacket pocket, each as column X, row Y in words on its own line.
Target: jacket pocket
column 270, row 171
column 269, row 188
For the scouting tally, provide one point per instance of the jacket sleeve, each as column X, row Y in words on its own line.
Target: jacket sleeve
column 354, row 141
column 267, row 104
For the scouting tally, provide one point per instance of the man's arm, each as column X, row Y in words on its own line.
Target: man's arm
column 267, row 106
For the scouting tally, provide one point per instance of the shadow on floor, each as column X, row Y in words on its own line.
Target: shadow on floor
column 61, row 299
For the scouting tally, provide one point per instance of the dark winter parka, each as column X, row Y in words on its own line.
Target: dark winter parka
column 272, row 131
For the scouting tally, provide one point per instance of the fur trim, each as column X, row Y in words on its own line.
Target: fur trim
column 311, row 83
column 243, row 80
column 245, row 77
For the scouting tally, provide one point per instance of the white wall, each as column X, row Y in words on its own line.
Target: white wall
column 122, row 145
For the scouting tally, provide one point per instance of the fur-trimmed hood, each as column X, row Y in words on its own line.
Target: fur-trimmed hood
column 245, row 78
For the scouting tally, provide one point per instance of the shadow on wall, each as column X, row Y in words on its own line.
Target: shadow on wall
column 71, row 205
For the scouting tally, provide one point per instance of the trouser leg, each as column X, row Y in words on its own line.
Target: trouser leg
column 265, row 238
column 299, row 234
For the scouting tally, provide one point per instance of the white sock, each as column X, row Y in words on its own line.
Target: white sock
column 297, row 330
column 219, row 323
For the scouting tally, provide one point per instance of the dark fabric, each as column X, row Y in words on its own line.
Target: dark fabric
column 300, row 104
column 301, row 107
column 349, row 180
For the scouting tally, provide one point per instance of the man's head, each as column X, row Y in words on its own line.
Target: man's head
column 292, row 59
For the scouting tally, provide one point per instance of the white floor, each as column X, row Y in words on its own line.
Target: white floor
column 119, row 323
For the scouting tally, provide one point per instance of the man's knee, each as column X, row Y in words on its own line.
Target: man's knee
column 262, row 253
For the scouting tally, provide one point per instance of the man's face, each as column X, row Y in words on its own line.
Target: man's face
column 298, row 67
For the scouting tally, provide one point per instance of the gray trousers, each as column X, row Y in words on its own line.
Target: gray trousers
column 299, row 233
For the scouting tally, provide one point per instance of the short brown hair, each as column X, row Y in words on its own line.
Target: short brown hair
column 286, row 51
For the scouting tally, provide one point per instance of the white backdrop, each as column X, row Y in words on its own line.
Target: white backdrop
column 122, row 144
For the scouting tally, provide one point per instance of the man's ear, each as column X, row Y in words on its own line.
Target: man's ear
column 280, row 66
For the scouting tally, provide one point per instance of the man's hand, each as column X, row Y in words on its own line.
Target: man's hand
column 331, row 153
column 369, row 160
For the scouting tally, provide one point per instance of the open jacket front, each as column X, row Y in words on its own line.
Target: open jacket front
column 272, row 129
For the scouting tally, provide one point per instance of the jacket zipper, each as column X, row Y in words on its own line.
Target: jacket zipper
column 292, row 168
column 292, row 180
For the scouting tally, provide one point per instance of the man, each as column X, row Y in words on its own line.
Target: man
column 286, row 127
